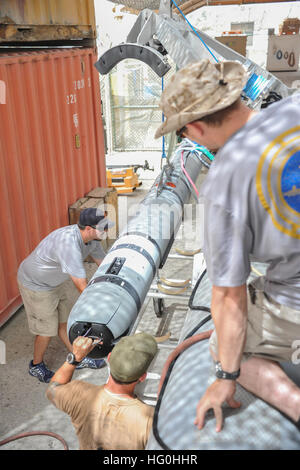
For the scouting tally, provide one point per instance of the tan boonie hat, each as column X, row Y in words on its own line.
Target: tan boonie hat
column 131, row 357
column 200, row 89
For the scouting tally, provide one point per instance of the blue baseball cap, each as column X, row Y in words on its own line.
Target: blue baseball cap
column 95, row 218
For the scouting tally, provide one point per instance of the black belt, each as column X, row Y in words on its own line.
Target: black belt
column 121, row 283
column 144, row 235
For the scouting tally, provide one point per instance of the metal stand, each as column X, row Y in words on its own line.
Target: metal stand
column 159, row 297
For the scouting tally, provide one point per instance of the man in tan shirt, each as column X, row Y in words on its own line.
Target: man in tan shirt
column 110, row 416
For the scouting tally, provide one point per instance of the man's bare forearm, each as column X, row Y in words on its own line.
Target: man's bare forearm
column 80, row 283
column 229, row 312
column 97, row 261
column 62, row 377
column 64, row 374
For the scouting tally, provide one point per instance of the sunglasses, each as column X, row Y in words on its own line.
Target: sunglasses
column 181, row 132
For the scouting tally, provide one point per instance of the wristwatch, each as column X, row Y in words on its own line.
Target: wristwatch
column 221, row 374
column 71, row 359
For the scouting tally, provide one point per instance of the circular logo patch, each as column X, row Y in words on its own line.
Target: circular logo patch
column 290, row 182
column 278, row 181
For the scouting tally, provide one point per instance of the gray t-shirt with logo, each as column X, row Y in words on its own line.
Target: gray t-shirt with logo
column 60, row 255
column 252, row 204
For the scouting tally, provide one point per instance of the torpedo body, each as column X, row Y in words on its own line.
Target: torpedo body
column 112, row 300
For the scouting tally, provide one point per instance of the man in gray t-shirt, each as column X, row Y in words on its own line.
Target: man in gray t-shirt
column 252, row 211
column 58, row 257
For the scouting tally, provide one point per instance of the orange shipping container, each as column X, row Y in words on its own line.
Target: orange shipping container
column 38, row 20
column 51, row 150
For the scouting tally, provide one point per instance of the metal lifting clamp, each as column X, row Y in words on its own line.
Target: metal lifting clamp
column 141, row 44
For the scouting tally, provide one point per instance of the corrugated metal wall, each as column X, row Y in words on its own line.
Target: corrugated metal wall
column 45, row 20
column 45, row 12
column 51, row 150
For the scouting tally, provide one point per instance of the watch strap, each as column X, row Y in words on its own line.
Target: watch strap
column 222, row 374
column 71, row 359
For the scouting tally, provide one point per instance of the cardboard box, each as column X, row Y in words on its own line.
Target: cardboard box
column 290, row 26
column 283, row 53
column 236, row 42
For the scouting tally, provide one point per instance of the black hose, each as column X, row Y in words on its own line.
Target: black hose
column 203, row 321
column 196, row 307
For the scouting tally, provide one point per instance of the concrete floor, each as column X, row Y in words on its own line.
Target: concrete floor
column 24, row 407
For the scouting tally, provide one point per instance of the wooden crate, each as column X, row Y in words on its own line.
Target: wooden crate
column 101, row 198
column 290, row 26
column 238, row 43
column 74, row 210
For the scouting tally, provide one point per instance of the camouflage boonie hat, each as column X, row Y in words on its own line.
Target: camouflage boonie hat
column 199, row 89
column 131, row 357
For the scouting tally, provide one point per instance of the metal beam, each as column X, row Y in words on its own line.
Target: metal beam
column 192, row 5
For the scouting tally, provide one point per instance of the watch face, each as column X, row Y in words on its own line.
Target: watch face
column 221, row 374
column 70, row 358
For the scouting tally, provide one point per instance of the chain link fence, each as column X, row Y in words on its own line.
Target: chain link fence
column 141, row 4
column 133, row 100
